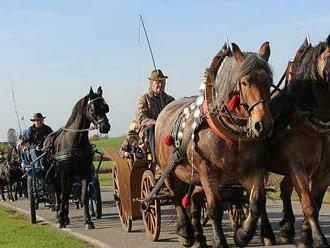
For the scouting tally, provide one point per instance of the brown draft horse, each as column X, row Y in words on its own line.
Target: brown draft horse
column 302, row 152
column 208, row 161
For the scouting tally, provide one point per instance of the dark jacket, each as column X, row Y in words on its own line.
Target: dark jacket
column 36, row 136
column 149, row 106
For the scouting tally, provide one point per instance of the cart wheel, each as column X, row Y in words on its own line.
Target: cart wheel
column 125, row 220
column 150, row 210
column 95, row 199
column 204, row 214
column 32, row 200
column 237, row 215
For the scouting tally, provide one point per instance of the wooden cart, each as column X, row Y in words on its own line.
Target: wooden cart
column 133, row 181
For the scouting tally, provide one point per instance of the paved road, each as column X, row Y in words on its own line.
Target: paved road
column 108, row 232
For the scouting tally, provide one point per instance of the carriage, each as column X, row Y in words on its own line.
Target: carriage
column 133, row 183
column 41, row 190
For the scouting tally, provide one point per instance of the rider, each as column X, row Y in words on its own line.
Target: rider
column 35, row 135
column 150, row 105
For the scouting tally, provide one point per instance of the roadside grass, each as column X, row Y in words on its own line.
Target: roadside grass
column 105, row 179
column 295, row 197
column 115, row 142
column 15, row 231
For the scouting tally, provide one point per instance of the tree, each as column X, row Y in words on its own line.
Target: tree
column 12, row 137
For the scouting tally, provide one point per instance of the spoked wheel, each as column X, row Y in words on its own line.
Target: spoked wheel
column 150, row 210
column 204, row 214
column 33, row 215
column 237, row 215
column 125, row 220
column 95, row 201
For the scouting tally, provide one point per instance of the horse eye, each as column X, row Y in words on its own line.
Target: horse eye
column 243, row 83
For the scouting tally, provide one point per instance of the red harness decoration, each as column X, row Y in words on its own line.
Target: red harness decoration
column 233, row 102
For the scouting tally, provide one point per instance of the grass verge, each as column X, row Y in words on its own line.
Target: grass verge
column 15, row 231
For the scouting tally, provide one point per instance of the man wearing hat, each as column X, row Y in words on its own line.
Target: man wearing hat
column 151, row 104
column 35, row 135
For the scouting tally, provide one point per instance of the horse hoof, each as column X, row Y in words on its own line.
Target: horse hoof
column 268, row 241
column 61, row 225
column 89, row 226
column 67, row 222
column 285, row 240
column 186, row 242
column 200, row 242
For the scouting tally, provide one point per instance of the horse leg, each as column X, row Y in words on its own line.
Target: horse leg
column 2, row 191
column 85, row 200
column 197, row 200
column 267, row 234
column 301, row 184
column 287, row 230
column 211, row 188
column 255, row 184
column 64, row 199
column 318, row 193
column 10, row 191
column 184, row 227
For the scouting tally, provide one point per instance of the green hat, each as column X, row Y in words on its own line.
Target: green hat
column 157, row 75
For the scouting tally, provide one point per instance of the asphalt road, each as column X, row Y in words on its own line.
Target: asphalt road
column 109, row 233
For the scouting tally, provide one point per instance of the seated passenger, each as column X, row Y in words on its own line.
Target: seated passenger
column 130, row 148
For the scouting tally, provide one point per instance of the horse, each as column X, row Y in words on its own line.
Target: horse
column 10, row 173
column 206, row 158
column 301, row 150
column 70, row 154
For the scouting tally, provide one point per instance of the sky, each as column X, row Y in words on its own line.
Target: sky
column 51, row 52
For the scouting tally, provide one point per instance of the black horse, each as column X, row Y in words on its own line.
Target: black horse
column 10, row 173
column 70, row 154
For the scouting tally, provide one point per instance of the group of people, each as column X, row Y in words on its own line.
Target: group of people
column 148, row 108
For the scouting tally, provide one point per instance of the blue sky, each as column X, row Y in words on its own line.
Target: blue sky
column 55, row 50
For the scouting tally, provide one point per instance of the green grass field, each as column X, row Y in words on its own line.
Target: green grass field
column 115, row 142
column 104, row 175
column 16, row 232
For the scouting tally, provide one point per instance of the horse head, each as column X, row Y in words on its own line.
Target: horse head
column 97, row 109
column 248, row 75
column 310, row 78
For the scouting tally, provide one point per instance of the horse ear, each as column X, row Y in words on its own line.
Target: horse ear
column 99, row 91
column 264, row 51
column 304, row 44
column 328, row 41
column 91, row 92
column 239, row 56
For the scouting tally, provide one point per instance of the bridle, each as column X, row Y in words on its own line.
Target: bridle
column 247, row 107
column 216, row 118
column 90, row 108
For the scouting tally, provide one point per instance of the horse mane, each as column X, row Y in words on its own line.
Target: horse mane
column 307, row 70
column 230, row 71
column 80, row 105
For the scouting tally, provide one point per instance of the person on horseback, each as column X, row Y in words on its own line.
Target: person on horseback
column 150, row 105
column 35, row 135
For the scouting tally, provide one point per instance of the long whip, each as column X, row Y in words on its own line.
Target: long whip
column 145, row 32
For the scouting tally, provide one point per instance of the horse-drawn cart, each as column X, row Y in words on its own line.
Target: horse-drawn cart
column 41, row 190
column 134, row 180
